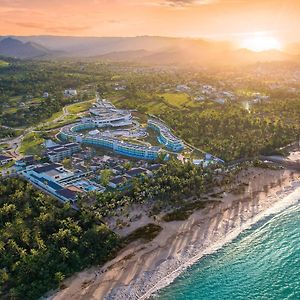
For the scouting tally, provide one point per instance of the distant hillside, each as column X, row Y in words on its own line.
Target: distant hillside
column 293, row 48
column 208, row 55
column 124, row 55
column 97, row 46
column 142, row 49
column 245, row 55
column 14, row 48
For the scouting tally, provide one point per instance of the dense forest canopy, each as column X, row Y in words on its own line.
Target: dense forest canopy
column 171, row 185
column 42, row 242
column 232, row 132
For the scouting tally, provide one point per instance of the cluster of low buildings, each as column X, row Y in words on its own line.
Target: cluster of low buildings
column 209, row 92
column 65, row 184
column 201, row 92
column 258, row 97
column 207, row 160
column 123, row 180
column 68, row 93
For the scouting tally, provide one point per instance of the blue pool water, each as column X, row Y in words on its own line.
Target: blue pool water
column 263, row 263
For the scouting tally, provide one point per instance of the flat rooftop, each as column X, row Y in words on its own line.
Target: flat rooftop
column 47, row 168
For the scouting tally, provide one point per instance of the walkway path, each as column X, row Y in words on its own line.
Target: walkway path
column 15, row 143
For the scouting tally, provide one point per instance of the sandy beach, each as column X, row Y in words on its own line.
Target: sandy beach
column 141, row 269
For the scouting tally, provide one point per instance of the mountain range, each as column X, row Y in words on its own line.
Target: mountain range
column 14, row 48
column 144, row 49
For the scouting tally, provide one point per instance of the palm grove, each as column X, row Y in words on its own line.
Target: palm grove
column 43, row 242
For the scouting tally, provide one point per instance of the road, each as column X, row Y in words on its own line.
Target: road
column 15, row 143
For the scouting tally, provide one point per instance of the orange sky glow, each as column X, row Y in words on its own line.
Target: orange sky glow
column 213, row 19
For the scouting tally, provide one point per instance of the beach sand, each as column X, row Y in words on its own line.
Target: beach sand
column 141, row 269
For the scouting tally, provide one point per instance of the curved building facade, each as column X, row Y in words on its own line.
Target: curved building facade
column 72, row 133
column 165, row 136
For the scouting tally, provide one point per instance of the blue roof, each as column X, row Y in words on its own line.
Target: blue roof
column 66, row 193
column 46, row 168
column 51, row 184
column 4, row 157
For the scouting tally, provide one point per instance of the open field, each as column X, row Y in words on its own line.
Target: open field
column 155, row 104
column 177, row 99
column 79, row 107
column 3, row 63
column 53, row 117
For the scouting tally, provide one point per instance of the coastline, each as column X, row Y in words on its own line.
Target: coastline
column 140, row 270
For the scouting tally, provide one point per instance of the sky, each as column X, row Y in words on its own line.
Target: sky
column 213, row 19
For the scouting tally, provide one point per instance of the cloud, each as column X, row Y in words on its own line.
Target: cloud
column 114, row 21
column 184, row 3
column 54, row 29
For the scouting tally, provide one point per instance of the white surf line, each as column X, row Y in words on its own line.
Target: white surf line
column 292, row 199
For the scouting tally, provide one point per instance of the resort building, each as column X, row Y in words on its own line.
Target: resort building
column 165, row 136
column 153, row 168
column 136, row 172
column 70, row 93
column 72, row 133
column 105, row 114
column 25, row 162
column 116, row 119
column 48, row 177
column 118, row 182
column 58, row 153
column 123, row 148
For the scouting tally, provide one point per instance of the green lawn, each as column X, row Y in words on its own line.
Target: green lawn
column 3, row 64
column 79, row 107
column 155, row 107
column 66, row 121
column 4, row 147
column 32, row 144
column 53, row 117
column 177, row 99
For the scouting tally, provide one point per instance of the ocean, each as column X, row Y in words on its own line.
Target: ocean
column 263, row 263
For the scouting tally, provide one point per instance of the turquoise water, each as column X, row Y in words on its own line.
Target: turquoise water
column 263, row 263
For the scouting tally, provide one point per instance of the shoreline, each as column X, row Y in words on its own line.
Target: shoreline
column 140, row 270
column 278, row 208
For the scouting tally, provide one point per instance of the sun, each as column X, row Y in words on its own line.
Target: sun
column 260, row 42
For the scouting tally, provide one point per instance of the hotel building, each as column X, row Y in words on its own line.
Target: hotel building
column 58, row 153
column 165, row 136
column 124, row 148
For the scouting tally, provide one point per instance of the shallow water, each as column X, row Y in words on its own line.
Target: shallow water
column 262, row 263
